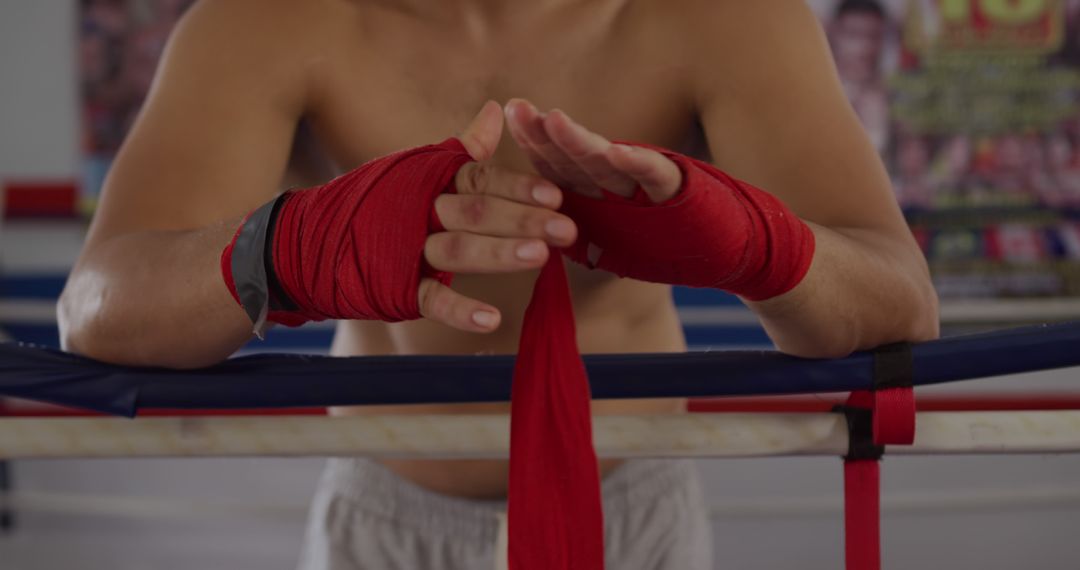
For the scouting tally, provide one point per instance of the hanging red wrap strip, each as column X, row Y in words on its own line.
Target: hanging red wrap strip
column 862, row 514
column 554, row 511
column 353, row 249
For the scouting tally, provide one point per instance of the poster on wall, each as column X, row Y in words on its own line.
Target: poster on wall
column 974, row 106
column 120, row 43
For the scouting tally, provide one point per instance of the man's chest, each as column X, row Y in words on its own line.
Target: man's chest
column 375, row 98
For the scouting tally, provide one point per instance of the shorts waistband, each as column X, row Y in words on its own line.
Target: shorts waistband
column 375, row 490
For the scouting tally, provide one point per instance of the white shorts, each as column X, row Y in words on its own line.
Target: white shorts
column 365, row 517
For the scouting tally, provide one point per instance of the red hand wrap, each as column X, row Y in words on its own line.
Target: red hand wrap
column 892, row 423
column 554, row 511
column 353, row 247
column 717, row 232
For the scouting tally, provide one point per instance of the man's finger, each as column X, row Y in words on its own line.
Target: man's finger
column 587, row 149
column 441, row 303
column 658, row 176
column 515, row 124
column 484, row 178
column 491, row 216
column 553, row 162
column 462, row 252
column 481, row 137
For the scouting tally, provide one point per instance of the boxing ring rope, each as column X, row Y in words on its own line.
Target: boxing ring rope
column 880, row 382
column 272, row 382
column 281, row 381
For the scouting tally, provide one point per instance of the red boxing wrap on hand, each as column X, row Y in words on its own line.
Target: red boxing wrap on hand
column 353, row 247
column 717, row 232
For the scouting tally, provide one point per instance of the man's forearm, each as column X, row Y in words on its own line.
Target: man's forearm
column 154, row 298
column 863, row 289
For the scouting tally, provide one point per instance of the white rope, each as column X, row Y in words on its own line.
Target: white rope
column 487, row 436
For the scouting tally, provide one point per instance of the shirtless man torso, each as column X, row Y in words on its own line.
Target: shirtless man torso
column 752, row 80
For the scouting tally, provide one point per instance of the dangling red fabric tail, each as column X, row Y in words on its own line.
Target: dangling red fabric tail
column 555, row 515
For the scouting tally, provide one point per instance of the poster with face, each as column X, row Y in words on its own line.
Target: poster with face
column 120, row 43
column 974, row 106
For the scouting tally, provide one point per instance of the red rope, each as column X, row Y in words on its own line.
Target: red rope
column 893, row 423
column 980, row 402
column 862, row 514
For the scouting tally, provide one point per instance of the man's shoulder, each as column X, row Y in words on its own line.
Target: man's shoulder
column 245, row 25
column 753, row 43
column 243, row 45
column 733, row 21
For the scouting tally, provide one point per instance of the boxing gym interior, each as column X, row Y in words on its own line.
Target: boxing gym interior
column 972, row 461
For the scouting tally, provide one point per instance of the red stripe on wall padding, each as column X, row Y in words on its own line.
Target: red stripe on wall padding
column 40, row 198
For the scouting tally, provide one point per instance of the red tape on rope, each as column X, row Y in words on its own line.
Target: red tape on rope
column 894, row 416
column 893, row 423
column 862, row 480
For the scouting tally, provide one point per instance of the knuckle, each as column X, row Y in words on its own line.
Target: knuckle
column 427, row 296
column 439, row 301
column 478, row 176
column 616, row 182
column 474, row 209
column 531, row 224
column 577, row 151
column 502, row 252
column 433, row 252
column 453, row 247
column 525, row 184
column 463, row 178
column 444, row 203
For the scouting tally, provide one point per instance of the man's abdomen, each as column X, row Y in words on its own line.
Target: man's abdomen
column 613, row 316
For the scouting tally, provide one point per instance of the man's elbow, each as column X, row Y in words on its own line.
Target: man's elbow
column 914, row 318
column 925, row 317
column 83, row 330
column 73, row 322
column 88, row 327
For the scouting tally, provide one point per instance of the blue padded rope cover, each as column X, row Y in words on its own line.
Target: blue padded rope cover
column 286, row 380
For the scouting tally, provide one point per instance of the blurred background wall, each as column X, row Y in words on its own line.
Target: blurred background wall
column 992, row 513
column 39, row 137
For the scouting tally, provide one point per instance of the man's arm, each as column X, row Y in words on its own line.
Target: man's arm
column 211, row 143
column 776, row 116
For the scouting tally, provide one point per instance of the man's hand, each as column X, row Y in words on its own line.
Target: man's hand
column 498, row 222
column 573, row 157
column 711, row 231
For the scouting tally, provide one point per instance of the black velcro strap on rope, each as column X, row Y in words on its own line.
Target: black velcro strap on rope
column 7, row 513
column 860, row 423
column 893, row 366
